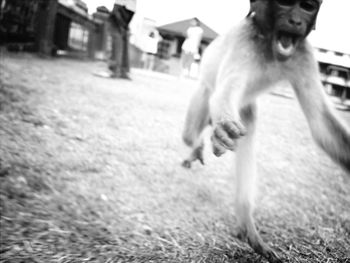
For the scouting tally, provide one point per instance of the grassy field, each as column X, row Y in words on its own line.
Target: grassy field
column 90, row 172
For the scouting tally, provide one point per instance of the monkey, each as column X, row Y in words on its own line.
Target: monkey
column 269, row 46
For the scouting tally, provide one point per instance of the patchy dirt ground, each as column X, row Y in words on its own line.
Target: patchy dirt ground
column 90, row 172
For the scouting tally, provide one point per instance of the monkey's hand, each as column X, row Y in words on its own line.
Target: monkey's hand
column 225, row 135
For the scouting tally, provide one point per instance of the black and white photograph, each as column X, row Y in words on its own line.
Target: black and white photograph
column 174, row 131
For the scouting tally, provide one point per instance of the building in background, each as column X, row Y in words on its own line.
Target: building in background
column 66, row 27
column 45, row 26
column 29, row 23
column 73, row 27
column 174, row 34
column 335, row 73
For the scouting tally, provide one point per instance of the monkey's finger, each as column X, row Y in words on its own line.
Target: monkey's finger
column 223, row 138
column 232, row 130
column 241, row 127
column 235, row 129
column 218, row 149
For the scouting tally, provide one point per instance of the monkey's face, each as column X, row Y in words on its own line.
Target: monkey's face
column 293, row 20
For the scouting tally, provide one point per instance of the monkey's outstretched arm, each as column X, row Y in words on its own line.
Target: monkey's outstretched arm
column 225, row 105
column 331, row 134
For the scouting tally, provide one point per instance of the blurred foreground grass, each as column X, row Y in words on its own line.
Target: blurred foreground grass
column 90, row 172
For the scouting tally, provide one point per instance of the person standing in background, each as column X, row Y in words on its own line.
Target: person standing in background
column 150, row 49
column 120, row 17
column 190, row 47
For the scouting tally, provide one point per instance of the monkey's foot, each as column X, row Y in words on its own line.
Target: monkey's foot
column 258, row 245
column 196, row 154
column 187, row 164
column 225, row 136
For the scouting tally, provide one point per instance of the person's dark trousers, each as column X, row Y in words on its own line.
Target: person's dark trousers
column 120, row 18
column 118, row 52
column 125, row 59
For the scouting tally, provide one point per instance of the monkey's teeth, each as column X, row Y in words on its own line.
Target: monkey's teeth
column 285, row 51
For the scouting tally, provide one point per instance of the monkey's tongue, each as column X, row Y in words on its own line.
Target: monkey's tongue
column 285, row 45
column 286, row 41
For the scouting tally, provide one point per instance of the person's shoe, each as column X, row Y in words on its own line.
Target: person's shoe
column 125, row 76
column 114, row 76
column 103, row 74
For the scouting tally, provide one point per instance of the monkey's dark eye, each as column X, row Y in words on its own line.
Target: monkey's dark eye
column 285, row 2
column 309, row 6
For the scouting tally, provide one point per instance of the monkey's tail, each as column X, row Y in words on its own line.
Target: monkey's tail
column 197, row 117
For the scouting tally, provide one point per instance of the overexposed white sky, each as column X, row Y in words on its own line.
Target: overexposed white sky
column 332, row 30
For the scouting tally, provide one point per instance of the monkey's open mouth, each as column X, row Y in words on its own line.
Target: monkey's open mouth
column 286, row 43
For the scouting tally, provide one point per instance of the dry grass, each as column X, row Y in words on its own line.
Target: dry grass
column 90, row 172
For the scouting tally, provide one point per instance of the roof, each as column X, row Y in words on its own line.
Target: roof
column 181, row 27
column 77, row 6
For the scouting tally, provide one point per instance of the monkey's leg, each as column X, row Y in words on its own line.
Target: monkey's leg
column 197, row 119
column 245, row 188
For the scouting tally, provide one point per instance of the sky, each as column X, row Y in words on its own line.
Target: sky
column 331, row 31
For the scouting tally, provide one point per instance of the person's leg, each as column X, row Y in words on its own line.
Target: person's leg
column 117, row 53
column 185, row 60
column 144, row 60
column 151, row 61
column 125, row 65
